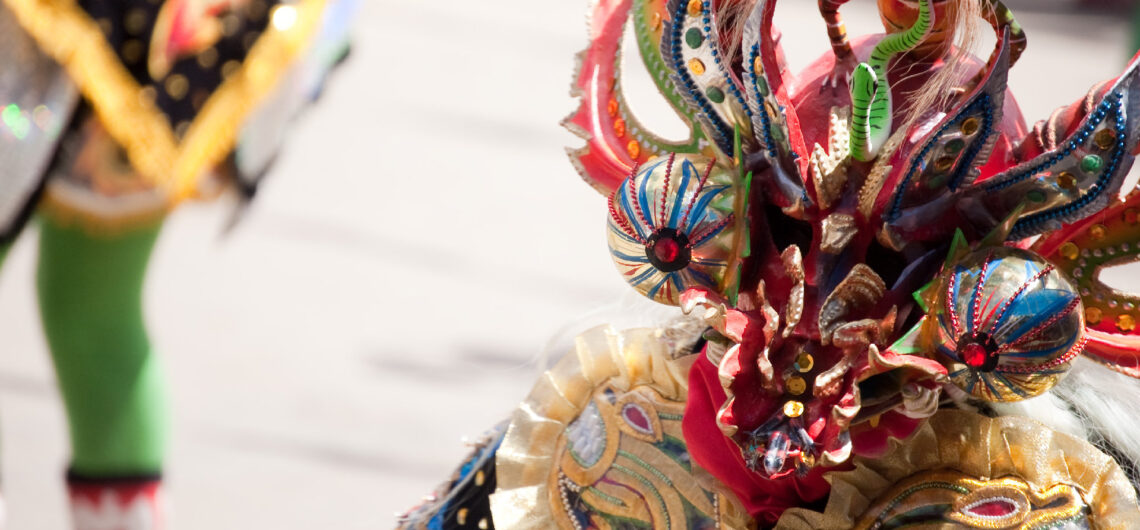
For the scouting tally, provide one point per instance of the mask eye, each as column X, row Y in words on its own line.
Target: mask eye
column 670, row 227
column 1009, row 324
column 787, row 231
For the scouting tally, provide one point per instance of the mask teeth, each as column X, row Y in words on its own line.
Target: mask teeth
column 724, row 419
column 777, row 454
column 800, row 437
column 726, row 370
column 839, row 451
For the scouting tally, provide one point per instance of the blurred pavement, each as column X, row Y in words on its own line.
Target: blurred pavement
column 388, row 293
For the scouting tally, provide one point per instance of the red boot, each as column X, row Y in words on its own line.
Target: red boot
column 120, row 504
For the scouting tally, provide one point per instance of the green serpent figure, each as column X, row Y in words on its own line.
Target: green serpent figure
column 871, row 106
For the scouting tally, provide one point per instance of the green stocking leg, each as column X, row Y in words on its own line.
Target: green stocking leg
column 90, row 291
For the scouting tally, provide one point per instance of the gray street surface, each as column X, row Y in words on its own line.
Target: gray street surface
column 390, row 291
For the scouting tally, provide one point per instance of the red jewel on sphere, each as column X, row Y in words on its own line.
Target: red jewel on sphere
column 667, row 250
column 975, row 355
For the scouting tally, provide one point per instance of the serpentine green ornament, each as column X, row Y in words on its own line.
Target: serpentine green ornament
column 871, row 107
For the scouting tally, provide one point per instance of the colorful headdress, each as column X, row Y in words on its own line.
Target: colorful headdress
column 859, row 261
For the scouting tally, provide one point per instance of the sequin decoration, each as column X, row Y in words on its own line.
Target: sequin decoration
column 670, row 227
column 1010, row 324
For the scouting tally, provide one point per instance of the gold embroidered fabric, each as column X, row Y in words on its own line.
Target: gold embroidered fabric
column 599, row 439
column 1004, row 459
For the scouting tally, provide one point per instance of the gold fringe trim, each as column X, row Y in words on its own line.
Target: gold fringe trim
column 65, row 32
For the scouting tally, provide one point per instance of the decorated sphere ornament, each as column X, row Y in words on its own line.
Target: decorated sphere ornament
column 670, row 226
column 1009, row 324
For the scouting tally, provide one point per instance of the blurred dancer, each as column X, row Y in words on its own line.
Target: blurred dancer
column 111, row 113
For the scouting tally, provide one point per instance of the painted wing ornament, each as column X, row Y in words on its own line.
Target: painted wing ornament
column 878, row 259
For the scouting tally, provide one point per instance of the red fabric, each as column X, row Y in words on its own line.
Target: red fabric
column 765, row 499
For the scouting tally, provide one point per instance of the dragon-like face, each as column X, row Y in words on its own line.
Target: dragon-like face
column 822, row 275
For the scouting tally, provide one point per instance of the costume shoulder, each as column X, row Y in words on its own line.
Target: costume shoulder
column 598, row 443
column 964, row 470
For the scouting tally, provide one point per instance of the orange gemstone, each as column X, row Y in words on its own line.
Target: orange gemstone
column 696, row 66
column 1125, row 323
column 619, row 127
column 1093, row 315
column 696, row 7
column 656, row 21
column 612, row 108
column 1098, row 232
column 1070, row 251
column 633, row 148
column 970, row 126
column 1067, row 181
column 1104, row 139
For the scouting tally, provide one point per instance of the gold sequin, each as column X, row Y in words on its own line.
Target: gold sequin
column 696, row 66
column 208, row 58
column 1070, row 251
column 1067, row 181
column 1125, row 323
column 230, row 25
column 1105, row 139
column 147, row 95
column 808, row 459
column 944, row 163
column 177, row 86
column 199, row 98
column 132, row 51
column 483, row 524
column 1093, row 315
column 793, row 409
column 633, row 148
column 257, row 9
column 970, row 126
column 796, row 385
column 696, row 7
column 1098, row 232
column 230, row 68
column 479, row 478
column 135, row 21
column 461, row 516
column 758, row 66
column 804, row 362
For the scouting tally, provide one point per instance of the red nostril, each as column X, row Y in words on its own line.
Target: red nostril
column 974, row 355
column 667, row 250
